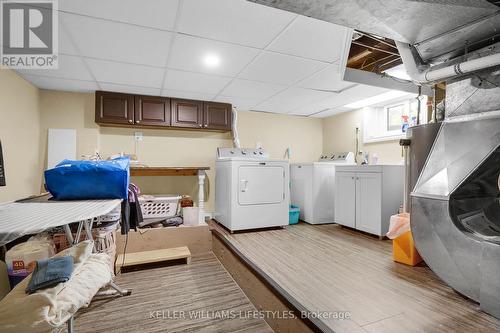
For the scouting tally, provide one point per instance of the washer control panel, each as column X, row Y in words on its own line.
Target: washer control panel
column 249, row 153
column 347, row 157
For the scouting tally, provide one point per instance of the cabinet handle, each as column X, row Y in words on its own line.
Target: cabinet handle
column 130, row 121
column 201, row 125
column 352, row 177
column 205, row 125
column 137, row 121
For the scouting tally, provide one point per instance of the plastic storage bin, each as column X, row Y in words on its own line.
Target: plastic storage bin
column 293, row 215
column 404, row 251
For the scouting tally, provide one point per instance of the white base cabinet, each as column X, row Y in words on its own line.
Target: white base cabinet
column 366, row 196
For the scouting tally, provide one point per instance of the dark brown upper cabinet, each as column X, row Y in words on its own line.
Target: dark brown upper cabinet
column 127, row 110
column 152, row 111
column 217, row 116
column 114, row 108
column 187, row 113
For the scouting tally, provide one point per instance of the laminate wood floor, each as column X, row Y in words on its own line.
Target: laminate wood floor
column 200, row 291
column 332, row 269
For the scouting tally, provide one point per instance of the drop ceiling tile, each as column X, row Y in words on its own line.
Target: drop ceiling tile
column 279, row 68
column 252, row 89
column 66, row 46
column 241, row 103
column 195, row 82
column 313, row 39
column 327, row 79
column 236, row 21
column 129, row 89
column 330, row 112
column 187, row 95
column 70, row 67
column 151, row 13
column 291, row 99
column 188, row 53
column 127, row 74
column 337, row 100
column 52, row 83
column 307, row 110
column 117, row 41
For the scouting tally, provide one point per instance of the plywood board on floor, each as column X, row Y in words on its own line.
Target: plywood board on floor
column 154, row 256
column 183, row 298
column 197, row 238
column 333, row 270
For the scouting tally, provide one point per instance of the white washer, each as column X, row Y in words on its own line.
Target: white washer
column 313, row 187
column 251, row 190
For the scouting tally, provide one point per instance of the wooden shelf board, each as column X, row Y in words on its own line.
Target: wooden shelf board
column 154, row 256
column 166, row 171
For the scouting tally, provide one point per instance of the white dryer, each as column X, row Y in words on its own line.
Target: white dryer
column 251, row 190
column 313, row 187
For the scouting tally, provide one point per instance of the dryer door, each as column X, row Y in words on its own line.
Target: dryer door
column 261, row 184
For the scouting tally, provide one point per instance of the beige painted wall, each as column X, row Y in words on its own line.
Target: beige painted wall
column 19, row 133
column 339, row 134
column 177, row 147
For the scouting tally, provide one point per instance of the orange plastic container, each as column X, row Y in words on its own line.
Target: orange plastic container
column 404, row 251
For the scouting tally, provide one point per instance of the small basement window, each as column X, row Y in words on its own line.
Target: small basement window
column 394, row 115
column 385, row 122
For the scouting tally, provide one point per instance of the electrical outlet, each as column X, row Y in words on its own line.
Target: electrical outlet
column 138, row 136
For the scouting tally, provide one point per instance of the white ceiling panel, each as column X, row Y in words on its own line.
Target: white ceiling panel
column 327, row 79
column 134, row 75
column 195, row 82
column 337, row 100
column 53, row 83
column 252, row 89
column 188, row 54
column 70, row 67
column 241, row 103
column 129, row 89
column 236, row 21
column 117, row 41
column 66, row 45
column 291, row 99
column 331, row 112
column 151, row 13
column 279, row 68
column 313, row 39
column 187, row 95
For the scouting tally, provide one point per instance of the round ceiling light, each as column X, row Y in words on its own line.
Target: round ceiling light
column 211, row 60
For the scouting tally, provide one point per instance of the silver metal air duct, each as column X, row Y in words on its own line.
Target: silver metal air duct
column 426, row 74
column 455, row 208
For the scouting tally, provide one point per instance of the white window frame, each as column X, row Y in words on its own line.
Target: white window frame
column 375, row 119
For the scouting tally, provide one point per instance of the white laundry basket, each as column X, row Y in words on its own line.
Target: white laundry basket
column 160, row 206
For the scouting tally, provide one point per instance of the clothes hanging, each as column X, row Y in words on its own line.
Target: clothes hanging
column 131, row 210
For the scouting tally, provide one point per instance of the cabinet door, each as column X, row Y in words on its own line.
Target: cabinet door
column 187, row 113
column 369, row 202
column 345, row 198
column 114, row 108
column 151, row 110
column 217, row 116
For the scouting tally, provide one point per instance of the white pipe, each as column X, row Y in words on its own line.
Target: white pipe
column 234, row 127
column 431, row 75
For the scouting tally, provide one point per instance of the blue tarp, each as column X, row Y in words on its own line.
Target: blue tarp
column 84, row 180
